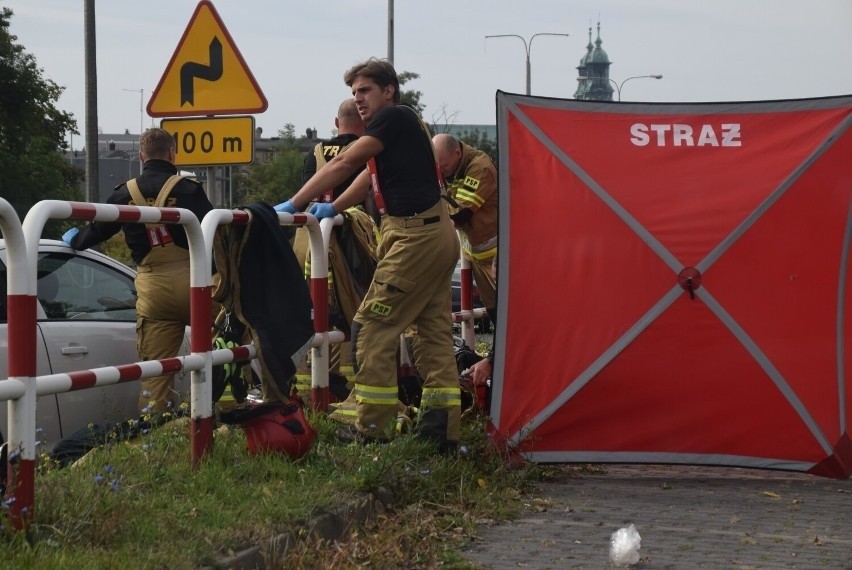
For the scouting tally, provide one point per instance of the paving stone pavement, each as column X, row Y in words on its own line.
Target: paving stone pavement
column 687, row 517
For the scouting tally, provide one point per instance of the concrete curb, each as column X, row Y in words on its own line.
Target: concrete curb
column 326, row 525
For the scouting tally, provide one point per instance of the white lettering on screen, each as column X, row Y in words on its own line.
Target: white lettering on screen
column 679, row 134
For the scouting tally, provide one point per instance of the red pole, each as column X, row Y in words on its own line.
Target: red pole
column 20, row 472
column 201, row 428
column 320, row 397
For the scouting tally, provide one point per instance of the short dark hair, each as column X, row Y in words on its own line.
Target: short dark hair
column 379, row 70
column 156, row 143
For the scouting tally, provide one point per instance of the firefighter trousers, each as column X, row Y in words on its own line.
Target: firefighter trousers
column 411, row 286
column 481, row 258
column 481, row 268
column 162, row 315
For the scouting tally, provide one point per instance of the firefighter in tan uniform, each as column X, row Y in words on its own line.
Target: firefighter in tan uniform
column 161, row 254
column 349, row 127
column 417, row 252
column 472, row 179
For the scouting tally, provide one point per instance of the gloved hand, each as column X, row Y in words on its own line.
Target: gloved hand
column 322, row 210
column 68, row 236
column 286, row 207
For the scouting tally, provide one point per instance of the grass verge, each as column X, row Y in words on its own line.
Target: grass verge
column 139, row 504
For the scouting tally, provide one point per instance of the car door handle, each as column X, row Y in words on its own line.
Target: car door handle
column 75, row 350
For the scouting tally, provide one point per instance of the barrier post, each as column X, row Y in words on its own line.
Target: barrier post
column 200, row 342
column 466, row 303
column 21, row 339
column 319, row 240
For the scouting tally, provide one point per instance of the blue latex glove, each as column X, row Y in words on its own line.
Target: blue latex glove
column 68, row 236
column 286, row 207
column 322, row 210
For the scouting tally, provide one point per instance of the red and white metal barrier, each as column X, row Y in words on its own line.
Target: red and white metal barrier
column 21, row 338
column 467, row 315
column 320, row 238
column 201, row 409
column 23, row 386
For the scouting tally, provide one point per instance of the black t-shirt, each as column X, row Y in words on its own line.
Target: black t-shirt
column 406, row 166
column 330, row 149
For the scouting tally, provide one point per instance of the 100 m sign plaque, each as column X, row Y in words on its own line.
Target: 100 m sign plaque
column 212, row 141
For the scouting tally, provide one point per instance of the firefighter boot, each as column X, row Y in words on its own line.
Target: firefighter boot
column 433, row 427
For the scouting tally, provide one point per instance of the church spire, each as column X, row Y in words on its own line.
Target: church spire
column 594, row 83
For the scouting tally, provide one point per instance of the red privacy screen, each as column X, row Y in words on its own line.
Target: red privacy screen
column 674, row 282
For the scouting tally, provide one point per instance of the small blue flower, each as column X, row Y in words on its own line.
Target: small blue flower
column 109, row 468
column 114, row 485
column 8, row 502
column 98, row 479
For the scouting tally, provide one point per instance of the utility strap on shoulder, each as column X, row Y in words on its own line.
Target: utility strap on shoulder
column 166, row 190
column 139, row 199
column 135, row 193
column 378, row 198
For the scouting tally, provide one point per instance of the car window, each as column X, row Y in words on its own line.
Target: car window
column 74, row 287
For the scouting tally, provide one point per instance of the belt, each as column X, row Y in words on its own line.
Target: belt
column 417, row 222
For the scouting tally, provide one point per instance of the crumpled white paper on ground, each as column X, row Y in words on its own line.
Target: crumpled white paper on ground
column 624, row 546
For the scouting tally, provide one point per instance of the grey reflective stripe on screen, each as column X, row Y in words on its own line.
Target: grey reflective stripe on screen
column 841, row 293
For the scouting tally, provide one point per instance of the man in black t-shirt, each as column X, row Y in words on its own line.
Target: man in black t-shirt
column 417, row 253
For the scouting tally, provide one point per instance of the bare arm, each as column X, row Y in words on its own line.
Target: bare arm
column 355, row 194
column 337, row 170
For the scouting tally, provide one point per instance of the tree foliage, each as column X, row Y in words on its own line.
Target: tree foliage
column 32, row 130
column 410, row 97
column 276, row 180
column 443, row 122
column 481, row 140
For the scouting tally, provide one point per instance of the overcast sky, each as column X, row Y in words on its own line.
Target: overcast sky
column 719, row 50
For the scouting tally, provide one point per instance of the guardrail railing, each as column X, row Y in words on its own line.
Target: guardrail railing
column 23, row 386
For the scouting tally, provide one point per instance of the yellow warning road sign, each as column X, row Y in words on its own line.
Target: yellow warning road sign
column 215, row 141
column 206, row 75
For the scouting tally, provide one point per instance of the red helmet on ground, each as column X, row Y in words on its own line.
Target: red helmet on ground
column 278, row 427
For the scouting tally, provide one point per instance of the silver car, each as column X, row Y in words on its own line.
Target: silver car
column 86, row 319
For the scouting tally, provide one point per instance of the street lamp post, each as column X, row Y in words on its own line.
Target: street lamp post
column 141, row 119
column 618, row 86
column 141, row 107
column 527, row 48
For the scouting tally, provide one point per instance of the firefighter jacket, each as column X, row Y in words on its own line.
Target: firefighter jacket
column 322, row 153
column 188, row 194
column 262, row 283
column 474, row 186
